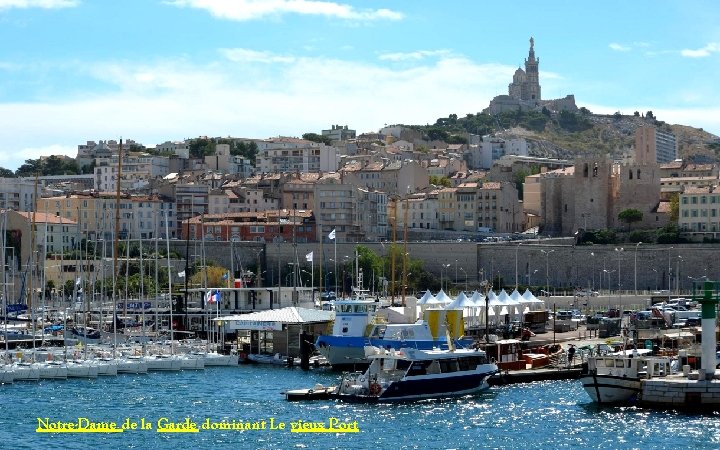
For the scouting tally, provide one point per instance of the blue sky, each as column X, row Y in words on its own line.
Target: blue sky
column 157, row 70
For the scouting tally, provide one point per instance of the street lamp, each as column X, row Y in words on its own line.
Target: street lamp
column 619, row 291
column 677, row 275
column 669, row 269
column 516, row 264
column 466, row 278
column 326, row 283
column 636, row 250
column 529, row 275
column 607, row 275
column 547, row 272
column 444, row 267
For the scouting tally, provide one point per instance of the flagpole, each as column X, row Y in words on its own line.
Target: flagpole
column 312, row 279
column 336, row 272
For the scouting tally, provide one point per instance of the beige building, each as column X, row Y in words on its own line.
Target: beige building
column 653, row 146
column 593, row 193
column 700, row 209
column 141, row 217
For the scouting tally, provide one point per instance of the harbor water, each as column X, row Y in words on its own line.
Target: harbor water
column 541, row 415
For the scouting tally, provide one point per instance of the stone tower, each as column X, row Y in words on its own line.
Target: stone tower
column 532, row 75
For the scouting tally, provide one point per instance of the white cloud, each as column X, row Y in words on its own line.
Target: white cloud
column 243, row 10
column 19, row 156
column 44, row 4
column 703, row 52
column 245, row 55
column 416, row 55
column 619, row 48
column 170, row 100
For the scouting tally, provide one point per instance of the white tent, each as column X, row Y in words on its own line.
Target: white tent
column 461, row 302
column 442, row 297
column 427, row 298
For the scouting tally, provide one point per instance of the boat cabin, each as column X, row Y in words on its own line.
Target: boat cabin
column 631, row 364
column 353, row 316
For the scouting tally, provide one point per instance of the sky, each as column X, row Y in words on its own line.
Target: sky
column 73, row 71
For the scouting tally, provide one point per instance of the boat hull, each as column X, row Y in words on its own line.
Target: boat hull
column 609, row 390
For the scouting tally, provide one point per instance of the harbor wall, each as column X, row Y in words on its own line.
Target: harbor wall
column 539, row 262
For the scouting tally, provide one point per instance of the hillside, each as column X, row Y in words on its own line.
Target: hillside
column 565, row 135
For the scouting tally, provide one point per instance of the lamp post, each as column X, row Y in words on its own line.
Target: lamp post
column 669, row 269
column 656, row 279
column 607, row 275
column 547, row 271
column 619, row 250
column 466, row 278
column 444, row 266
column 636, row 250
column 456, row 269
column 326, row 284
column 516, row 264
column 677, row 275
column 593, row 270
column 529, row 275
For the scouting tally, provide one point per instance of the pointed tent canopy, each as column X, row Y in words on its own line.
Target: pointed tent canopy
column 528, row 297
column 478, row 299
column 494, row 300
column 427, row 298
column 491, row 295
column 461, row 302
column 515, row 295
column 442, row 297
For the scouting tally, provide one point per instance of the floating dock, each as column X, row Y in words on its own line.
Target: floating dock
column 529, row 375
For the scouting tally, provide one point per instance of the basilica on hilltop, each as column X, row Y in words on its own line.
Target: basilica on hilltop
column 524, row 92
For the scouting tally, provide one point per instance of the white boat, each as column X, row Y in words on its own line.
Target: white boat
column 81, row 369
column 25, row 371
column 276, row 359
column 617, row 378
column 412, row 374
column 217, row 359
column 53, row 370
column 132, row 364
column 7, row 375
column 105, row 366
column 163, row 363
column 191, row 362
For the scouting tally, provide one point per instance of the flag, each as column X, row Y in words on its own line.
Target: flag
column 77, row 282
column 211, row 298
column 332, row 234
column 309, row 257
column 181, row 274
column 226, row 275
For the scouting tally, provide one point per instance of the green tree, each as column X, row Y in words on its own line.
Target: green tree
column 6, row 173
column 439, row 180
column 674, row 207
column 314, row 137
column 630, row 216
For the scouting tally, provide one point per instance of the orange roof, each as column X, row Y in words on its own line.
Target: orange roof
column 41, row 217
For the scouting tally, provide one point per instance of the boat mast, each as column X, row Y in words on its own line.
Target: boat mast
column 116, row 247
column 32, row 262
column 167, row 243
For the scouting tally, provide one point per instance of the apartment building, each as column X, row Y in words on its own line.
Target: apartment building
column 699, row 209
column 268, row 226
column 17, row 194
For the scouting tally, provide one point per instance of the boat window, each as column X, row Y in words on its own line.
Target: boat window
column 360, row 308
column 379, row 331
column 417, row 368
column 448, row 365
column 467, row 363
column 402, row 364
column 433, row 368
column 388, row 364
column 609, row 363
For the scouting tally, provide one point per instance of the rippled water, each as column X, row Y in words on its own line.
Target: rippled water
column 547, row 415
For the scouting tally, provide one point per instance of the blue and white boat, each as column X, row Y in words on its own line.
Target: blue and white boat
column 356, row 327
column 411, row 374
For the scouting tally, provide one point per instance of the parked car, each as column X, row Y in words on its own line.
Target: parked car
column 587, row 293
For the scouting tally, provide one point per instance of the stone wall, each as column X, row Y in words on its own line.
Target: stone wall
column 565, row 265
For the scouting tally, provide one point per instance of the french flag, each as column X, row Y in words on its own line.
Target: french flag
column 211, row 297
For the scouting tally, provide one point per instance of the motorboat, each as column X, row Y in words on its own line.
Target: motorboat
column 413, row 374
column 132, row 364
column 617, row 378
column 276, row 359
column 355, row 327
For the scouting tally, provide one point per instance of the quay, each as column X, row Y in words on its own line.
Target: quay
column 506, row 377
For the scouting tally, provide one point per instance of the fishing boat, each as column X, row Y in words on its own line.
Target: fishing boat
column 412, row 374
column 617, row 378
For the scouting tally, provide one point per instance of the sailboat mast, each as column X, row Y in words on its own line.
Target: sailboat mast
column 116, row 246
column 32, row 263
column 167, row 243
